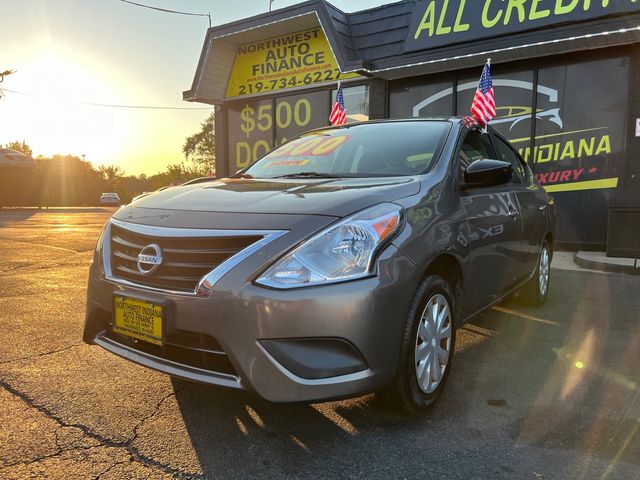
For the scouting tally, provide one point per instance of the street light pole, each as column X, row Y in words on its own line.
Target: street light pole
column 9, row 72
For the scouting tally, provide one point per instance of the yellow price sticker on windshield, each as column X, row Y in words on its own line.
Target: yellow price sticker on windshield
column 312, row 146
column 287, row 163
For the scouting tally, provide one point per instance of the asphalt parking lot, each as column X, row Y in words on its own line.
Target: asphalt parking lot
column 534, row 393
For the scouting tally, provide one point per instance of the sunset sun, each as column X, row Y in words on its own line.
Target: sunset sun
column 55, row 100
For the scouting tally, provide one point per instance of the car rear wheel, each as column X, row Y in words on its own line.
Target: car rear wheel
column 536, row 290
column 427, row 348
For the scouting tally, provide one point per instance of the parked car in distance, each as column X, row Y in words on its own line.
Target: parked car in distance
column 109, row 199
column 342, row 262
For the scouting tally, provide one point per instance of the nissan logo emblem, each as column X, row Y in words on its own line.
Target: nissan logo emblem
column 149, row 259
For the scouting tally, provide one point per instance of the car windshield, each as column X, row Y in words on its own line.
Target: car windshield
column 363, row 150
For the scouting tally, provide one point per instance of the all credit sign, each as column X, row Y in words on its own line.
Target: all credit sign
column 436, row 23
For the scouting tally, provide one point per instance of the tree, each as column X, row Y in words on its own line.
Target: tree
column 65, row 180
column 174, row 174
column 20, row 147
column 111, row 174
column 200, row 147
column 178, row 173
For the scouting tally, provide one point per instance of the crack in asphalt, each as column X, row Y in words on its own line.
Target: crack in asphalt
column 135, row 453
column 104, row 472
column 155, row 412
column 7, row 239
column 32, row 268
column 40, row 355
column 59, row 452
column 21, row 295
column 16, row 267
column 34, row 460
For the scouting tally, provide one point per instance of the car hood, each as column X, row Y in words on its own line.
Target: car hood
column 332, row 197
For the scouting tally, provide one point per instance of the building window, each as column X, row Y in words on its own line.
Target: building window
column 356, row 102
column 415, row 97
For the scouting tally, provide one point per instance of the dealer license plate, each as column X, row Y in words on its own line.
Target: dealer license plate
column 138, row 319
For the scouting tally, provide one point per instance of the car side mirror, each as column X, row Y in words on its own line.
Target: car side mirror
column 487, row 173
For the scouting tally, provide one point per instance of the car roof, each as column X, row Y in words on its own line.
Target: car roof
column 14, row 158
column 466, row 121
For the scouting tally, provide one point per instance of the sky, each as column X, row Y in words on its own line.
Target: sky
column 68, row 53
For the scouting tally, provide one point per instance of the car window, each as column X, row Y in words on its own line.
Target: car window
column 476, row 146
column 507, row 154
column 361, row 150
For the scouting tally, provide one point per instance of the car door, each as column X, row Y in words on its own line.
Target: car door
column 494, row 230
column 532, row 205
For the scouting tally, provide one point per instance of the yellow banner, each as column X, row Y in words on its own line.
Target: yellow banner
column 588, row 185
column 293, row 60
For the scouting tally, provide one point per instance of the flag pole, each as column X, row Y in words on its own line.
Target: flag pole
column 485, row 128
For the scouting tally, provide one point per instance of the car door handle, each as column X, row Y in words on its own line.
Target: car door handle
column 512, row 213
column 542, row 207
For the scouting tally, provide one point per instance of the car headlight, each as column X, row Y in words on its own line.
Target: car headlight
column 343, row 251
column 98, row 254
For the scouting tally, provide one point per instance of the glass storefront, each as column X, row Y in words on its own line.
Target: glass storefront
column 573, row 106
column 579, row 152
column 578, row 116
column 256, row 126
column 415, row 97
column 356, row 102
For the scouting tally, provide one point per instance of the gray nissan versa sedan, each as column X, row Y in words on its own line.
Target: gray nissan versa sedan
column 342, row 262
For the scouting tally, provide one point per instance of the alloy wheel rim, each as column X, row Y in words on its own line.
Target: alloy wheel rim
column 433, row 343
column 543, row 269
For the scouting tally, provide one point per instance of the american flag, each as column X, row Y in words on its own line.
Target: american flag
column 484, row 103
column 338, row 115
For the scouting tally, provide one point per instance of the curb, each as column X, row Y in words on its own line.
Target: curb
column 605, row 266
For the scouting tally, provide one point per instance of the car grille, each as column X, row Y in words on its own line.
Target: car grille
column 185, row 348
column 185, row 260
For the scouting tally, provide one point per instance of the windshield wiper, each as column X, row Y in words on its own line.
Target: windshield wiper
column 309, row 175
column 242, row 175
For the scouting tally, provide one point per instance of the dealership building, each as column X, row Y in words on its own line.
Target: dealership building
column 566, row 75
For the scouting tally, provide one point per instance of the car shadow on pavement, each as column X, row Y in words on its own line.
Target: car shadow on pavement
column 559, row 378
column 238, row 433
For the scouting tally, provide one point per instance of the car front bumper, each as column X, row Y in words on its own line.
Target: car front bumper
column 297, row 345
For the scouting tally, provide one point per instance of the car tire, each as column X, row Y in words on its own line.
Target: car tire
column 536, row 291
column 417, row 384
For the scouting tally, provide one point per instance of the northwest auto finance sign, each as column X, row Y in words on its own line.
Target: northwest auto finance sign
column 436, row 23
column 293, row 60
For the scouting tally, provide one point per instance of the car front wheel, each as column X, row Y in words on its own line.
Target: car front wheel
column 427, row 348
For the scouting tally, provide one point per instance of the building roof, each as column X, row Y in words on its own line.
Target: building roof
column 372, row 42
column 220, row 44
column 14, row 158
